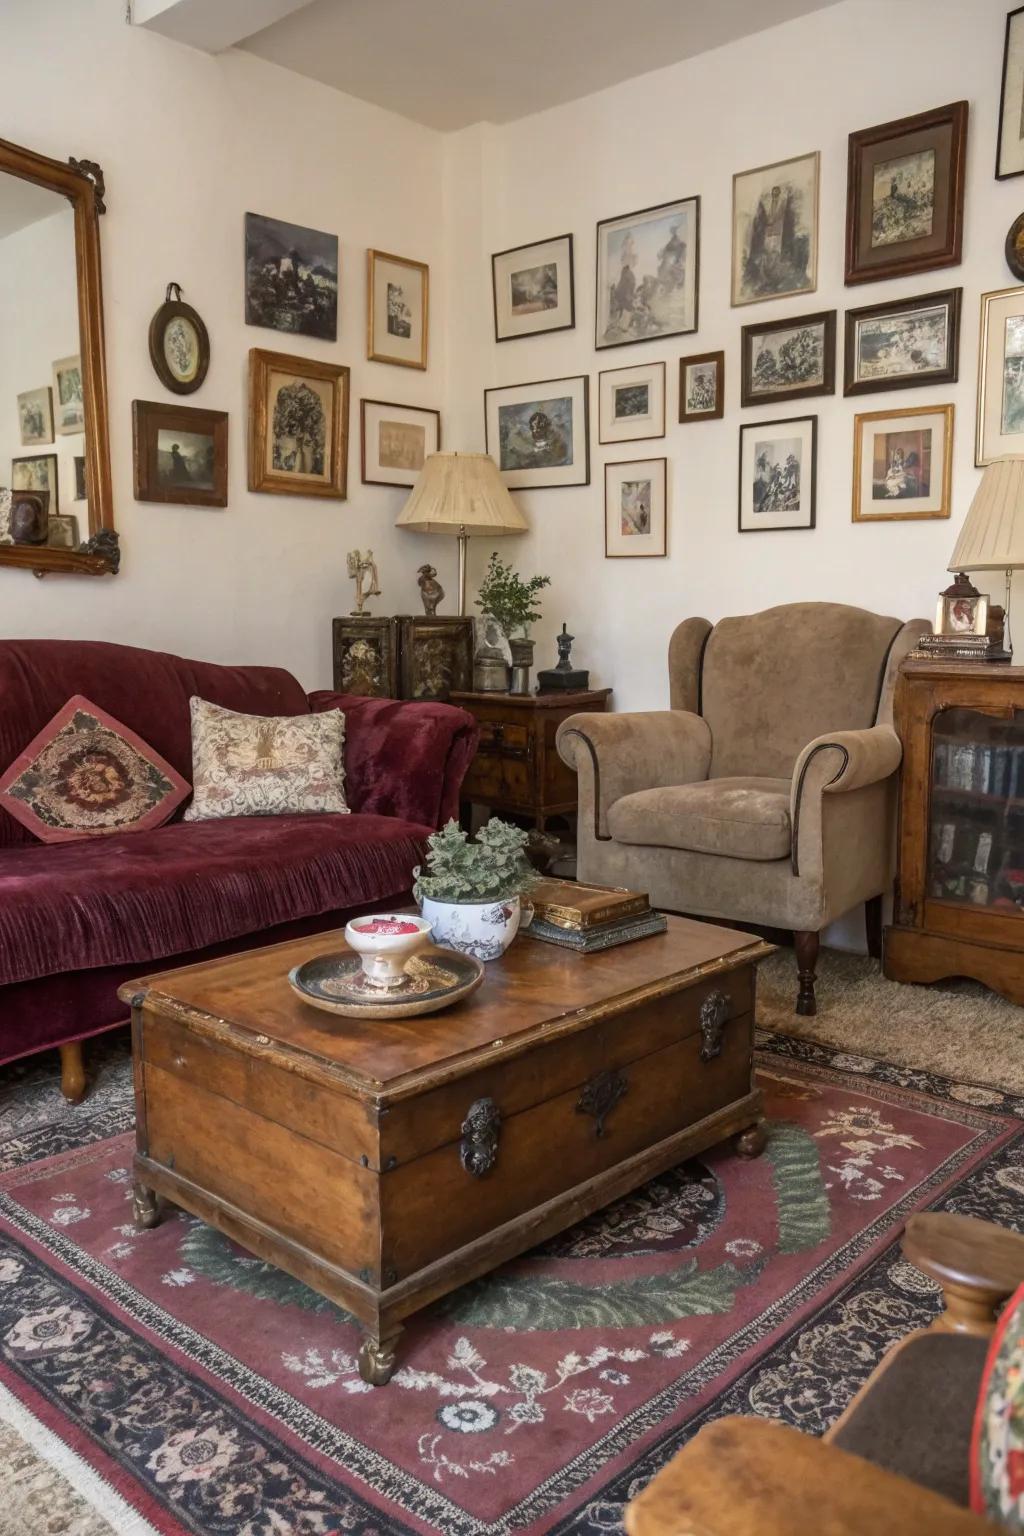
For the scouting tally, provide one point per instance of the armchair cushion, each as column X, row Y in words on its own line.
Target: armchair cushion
column 740, row 818
column 626, row 753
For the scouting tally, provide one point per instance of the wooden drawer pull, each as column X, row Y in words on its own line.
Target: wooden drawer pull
column 600, row 1096
column 478, row 1149
column 714, row 1012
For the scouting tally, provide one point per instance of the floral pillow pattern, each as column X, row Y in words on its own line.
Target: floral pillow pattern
column 87, row 775
column 265, row 765
column 997, row 1450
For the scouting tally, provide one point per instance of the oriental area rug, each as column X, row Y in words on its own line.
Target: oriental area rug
column 167, row 1382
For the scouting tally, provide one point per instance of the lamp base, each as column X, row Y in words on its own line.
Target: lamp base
column 463, row 550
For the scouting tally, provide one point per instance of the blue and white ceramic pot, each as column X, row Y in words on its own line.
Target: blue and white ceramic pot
column 481, row 928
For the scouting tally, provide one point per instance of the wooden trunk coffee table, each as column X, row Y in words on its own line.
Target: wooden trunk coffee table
column 385, row 1164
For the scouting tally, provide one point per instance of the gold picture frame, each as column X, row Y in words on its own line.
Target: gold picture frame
column 907, row 476
column 311, row 398
column 994, row 379
column 396, row 331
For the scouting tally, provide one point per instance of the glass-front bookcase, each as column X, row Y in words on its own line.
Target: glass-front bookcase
column 976, row 814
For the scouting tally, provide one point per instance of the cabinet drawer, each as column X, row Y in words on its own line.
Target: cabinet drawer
column 504, row 739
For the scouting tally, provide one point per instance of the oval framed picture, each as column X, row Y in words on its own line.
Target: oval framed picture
column 179, row 344
column 1015, row 248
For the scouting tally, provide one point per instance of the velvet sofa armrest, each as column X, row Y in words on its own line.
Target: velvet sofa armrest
column 616, row 755
column 404, row 758
column 837, row 763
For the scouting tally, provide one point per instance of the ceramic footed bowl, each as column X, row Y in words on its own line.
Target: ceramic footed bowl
column 484, row 929
column 385, row 943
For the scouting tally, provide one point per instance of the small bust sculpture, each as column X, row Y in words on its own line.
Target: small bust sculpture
column 431, row 589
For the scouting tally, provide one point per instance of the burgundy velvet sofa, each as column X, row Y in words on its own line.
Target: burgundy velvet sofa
column 78, row 919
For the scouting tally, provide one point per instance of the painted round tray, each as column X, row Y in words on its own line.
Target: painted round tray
column 433, row 980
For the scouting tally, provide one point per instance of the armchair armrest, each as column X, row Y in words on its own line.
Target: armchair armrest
column 753, row 1477
column 403, row 758
column 615, row 755
column 837, row 763
column 977, row 1264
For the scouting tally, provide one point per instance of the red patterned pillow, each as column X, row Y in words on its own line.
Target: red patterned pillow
column 87, row 775
column 997, row 1447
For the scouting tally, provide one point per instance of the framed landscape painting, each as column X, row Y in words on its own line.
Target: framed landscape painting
column 905, row 195
column 648, row 267
column 775, row 230
column 1000, row 418
column 904, row 343
column 298, row 425
column 1010, row 141
column 788, row 359
column 902, row 464
column 635, row 513
column 291, row 277
column 778, row 474
column 631, row 403
column 533, row 289
column 397, row 298
column 395, row 440
column 702, row 386
column 539, row 434
column 180, row 454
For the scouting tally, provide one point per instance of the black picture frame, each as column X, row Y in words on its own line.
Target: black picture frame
column 530, row 245
column 764, row 426
column 826, row 319
column 639, row 213
column 1000, row 174
column 718, row 410
column 582, row 379
column 951, row 297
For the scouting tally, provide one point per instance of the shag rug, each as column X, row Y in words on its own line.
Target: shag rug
column 166, row 1382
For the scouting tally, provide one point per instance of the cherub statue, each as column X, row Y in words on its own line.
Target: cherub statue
column 431, row 589
column 360, row 566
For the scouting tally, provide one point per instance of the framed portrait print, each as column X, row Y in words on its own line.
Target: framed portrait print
column 631, row 403
column 291, row 278
column 778, row 474
column 397, row 304
column 905, row 195
column 539, row 434
column 180, row 454
column 35, row 416
column 298, row 425
column 63, row 531
column 395, row 440
column 1010, row 140
column 775, row 230
column 36, row 472
column 1000, row 417
column 902, row 464
column 635, row 513
column 648, row 266
column 702, row 386
column 68, row 398
column 533, row 289
column 788, row 359
column 904, row 343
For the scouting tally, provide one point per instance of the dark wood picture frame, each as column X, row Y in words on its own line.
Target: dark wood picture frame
column 951, row 297
column 759, row 426
column 718, row 358
column 148, row 418
column 422, row 410
column 943, row 130
column 572, row 378
column 1002, row 175
column 639, row 213
column 52, row 490
column 530, row 245
column 826, row 319
column 261, row 365
column 173, row 309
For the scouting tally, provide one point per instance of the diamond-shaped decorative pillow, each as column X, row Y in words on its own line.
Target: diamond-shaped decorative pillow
column 997, row 1447
column 87, row 775
column 265, row 765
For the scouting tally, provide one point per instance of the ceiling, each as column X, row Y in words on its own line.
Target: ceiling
column 449, row 63
column 23, row 203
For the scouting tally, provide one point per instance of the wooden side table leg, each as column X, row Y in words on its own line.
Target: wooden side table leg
column 973, row 1312
column 72, row 1072
column 145, row 1208
column 377, row 1355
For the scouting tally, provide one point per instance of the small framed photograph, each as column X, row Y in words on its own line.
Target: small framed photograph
column 1010, row 142
column 903, row 343
column 36, row 472
column 902, row 464
column 395, row 440
column 180, row 454
column 68, row 399
column 179, row 344
column 1000, row 415
column 702, row 386
column 635, row 512
column 397, row 300
column 648, row 266
column 533, row 289
column 961, row 615
column 35, row 416
column 298, row 425
column 775, row 230
column 905, row 195
column 81, row 488
column 631, row 403
column 539, row 434
column 778, row 474
column 291, row 278
column 790, row 359
column 63, row 531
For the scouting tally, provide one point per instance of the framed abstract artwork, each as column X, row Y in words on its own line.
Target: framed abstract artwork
column 298, row 425
column 1000, row 418
column 533, row 289
column 180, row 454
column 902, row 464
column 702, row 386
column 395, row 440
column 903, row 343
column 631, row 403
column 778, row 474
column 1010, row 139
column 775, row 230
column 539, row 434
column 397, row 310
column 905, row 195
column 635, row 513
column 788, row 359
column 648, row 268
column 291, row 278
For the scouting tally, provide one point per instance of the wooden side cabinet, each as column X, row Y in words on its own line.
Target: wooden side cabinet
column 960, row 885
column 516, row 767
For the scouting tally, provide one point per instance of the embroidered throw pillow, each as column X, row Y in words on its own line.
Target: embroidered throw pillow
column 265, row 765
column 997, row 1446
column 87, row 775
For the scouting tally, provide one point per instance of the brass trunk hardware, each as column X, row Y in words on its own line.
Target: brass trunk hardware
column 600, row 1096
column 478, row 1149
column 714, row 1011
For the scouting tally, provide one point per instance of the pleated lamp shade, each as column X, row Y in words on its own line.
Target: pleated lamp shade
column 992, row 537
column 461, row 493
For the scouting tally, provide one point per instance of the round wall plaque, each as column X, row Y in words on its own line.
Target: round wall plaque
column 179, row 344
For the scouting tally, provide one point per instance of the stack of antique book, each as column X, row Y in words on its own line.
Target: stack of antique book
column 590, row 917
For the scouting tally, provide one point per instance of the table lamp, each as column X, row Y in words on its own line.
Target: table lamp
column 461, row 494
column 992, row 537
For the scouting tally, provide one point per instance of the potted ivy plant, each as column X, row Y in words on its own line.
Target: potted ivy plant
column 505, row 597
column 471, row 893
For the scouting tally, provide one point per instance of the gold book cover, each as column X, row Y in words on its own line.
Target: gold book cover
column 577, row 907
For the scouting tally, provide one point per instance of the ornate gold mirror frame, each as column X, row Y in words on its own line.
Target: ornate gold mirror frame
column 81, row 182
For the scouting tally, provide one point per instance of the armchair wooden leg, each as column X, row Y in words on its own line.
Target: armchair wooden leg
column 72, row 1072
column 873, row 926
column 806, row 945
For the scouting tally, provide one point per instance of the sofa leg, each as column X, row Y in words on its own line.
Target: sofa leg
column 72, row 1072
column 806, row 945
column 873, row 926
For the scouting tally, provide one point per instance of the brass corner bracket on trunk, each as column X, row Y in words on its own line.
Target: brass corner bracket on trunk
column 714, row 1014
column 478, row 1149
column 600, row 1096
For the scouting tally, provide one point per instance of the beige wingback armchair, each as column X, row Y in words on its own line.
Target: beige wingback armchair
column 766, row 794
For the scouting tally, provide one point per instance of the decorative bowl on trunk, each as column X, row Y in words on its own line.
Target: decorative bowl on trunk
column 386, row 942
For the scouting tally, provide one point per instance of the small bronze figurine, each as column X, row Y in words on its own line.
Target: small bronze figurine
column 431, row 589
column 360, row 565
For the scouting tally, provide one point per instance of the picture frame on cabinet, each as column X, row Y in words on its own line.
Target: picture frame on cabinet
column 778, row 474
column 63, row 531
column 1010, row 135
column 903, row 344
column 534, row 289
column 648, row 274
column 635, row 509
column 291, row 277
column 395, row 440
column 905, row 195
column 539, row 434
column 179, row 454
column 36, row 472
column 631, row 403
column 999, row 425
column 903, row 464
column 298, row 425
column 790, row 359
column 397, row 310
column 702, row 386
column 775, row 230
